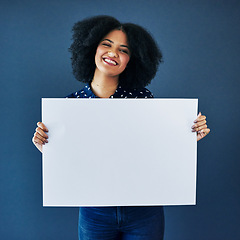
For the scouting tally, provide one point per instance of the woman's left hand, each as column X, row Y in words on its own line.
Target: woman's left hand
column 200, row 127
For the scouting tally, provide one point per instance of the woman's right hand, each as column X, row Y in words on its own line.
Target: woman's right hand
column 40, row 137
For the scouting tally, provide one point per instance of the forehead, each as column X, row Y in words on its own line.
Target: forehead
column 117, row 36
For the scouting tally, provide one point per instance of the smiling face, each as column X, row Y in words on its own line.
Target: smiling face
column 113, row 54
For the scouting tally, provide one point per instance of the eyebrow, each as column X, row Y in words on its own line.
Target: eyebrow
column 113, row 42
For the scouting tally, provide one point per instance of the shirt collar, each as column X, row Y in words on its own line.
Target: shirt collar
column 89, row 93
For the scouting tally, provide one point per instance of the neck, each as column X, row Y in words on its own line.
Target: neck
column 104, row 86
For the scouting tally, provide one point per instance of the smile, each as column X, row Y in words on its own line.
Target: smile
column 110, row 61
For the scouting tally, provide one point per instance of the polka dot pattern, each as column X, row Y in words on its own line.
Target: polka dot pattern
column 120, row 92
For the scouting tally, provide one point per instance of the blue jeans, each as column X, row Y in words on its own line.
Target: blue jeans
column 121, row 223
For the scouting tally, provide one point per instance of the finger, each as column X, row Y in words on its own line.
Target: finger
column 199, row 114
column 199, row 124
column 42, row 126
column 202, row 117
column 37, row 141
column 199, row 128
column 205, row 131
column 202, row 133
column 37, row 135
column 41, row 132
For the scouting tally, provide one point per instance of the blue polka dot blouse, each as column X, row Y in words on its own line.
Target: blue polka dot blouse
column 120, row 92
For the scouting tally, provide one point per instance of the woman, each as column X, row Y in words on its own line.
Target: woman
column 116, row 61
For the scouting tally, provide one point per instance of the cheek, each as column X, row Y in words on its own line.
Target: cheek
column 99, row 53
column 125, row 60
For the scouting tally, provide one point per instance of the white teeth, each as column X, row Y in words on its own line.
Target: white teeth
column 110, row 61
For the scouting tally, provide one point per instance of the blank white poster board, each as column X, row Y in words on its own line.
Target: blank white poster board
column 119, row 152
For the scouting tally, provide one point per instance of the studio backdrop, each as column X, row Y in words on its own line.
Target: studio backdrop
column 201, row 52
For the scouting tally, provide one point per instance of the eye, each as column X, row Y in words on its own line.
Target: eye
column 106, row 44
column 124, row 51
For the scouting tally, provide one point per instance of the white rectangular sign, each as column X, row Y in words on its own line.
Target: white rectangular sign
column 119, row 152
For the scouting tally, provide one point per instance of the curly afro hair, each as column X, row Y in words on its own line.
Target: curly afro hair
column 145, row 54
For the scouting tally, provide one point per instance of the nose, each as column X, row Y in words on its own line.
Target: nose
column 112, row 54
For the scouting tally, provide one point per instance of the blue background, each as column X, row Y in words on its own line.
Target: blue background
column 200, row 41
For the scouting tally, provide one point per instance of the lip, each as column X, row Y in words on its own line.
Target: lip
column 111, row 64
